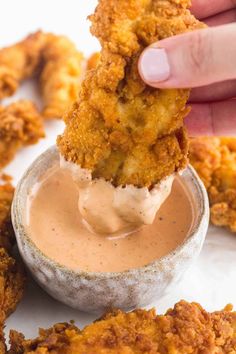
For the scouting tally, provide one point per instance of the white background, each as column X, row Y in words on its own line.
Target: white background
column 210, row 281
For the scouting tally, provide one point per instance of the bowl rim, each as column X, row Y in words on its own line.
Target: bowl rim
column 20, row 230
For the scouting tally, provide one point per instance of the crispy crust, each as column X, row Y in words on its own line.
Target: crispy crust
column 62, row 68
column 187, row 328
column 20, row 125
column 53, row 340
column 120, row 128
column 215, row 161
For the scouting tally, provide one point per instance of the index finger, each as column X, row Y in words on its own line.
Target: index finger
column 203, row 9
column 218, row 118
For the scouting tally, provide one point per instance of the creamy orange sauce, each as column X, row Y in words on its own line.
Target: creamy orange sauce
column 58, row 230
column 119, row 210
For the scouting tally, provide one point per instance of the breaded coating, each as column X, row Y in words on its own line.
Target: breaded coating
column 214, row 159
column 60, row 79
column 7, row 237
column 53, row 340
column 20, row 125
column 186, row 329
column 121, row 129
column 12, row 282
column 19, row 62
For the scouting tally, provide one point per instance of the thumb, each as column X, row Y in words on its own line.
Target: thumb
column 192, row 59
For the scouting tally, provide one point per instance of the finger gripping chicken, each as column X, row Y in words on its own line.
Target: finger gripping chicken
column 119, row 128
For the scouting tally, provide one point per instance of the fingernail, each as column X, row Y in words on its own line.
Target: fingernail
column 154, row 65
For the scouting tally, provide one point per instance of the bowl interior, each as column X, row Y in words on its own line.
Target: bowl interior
column 51, row 157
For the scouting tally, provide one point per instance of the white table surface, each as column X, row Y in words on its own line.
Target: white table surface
column 210, row 281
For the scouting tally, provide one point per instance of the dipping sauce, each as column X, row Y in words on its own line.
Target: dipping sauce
column 58, row 230
column 119, row 210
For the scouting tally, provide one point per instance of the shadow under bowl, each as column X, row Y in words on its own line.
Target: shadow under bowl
column 97, row 291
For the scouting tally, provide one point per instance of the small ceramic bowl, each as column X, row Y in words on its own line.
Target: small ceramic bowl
column 95, row 292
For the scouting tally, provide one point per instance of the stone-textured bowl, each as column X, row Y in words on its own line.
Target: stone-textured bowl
column 95, row 292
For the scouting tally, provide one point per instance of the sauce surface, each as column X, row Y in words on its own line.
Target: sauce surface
column 57, row 228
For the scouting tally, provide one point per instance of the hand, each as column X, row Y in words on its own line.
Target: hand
column 204, row 60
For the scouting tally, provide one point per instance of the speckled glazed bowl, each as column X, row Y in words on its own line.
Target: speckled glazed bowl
column 95, row 292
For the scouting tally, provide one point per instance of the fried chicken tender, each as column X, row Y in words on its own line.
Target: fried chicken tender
column 214, row 159
column 7, row 237
column 186, row 329
column 119, row 128
column 56, row 60
column 20, row 125
column 19, row 62
column 62, row 68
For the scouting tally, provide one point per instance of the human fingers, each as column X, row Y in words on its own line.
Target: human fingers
column 192, row 59
column 215, row 92
column 222, row 18
column 206, row 8
column 212, row 119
